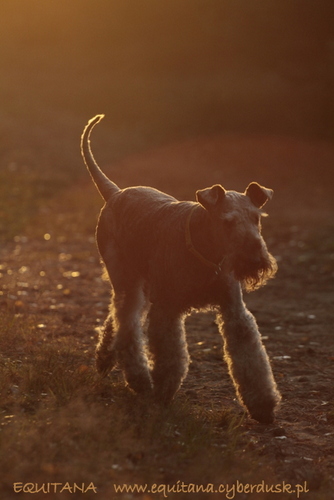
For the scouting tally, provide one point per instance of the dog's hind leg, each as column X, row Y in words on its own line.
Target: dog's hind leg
column 169, row 351
column 105, row 352
column 122, row 335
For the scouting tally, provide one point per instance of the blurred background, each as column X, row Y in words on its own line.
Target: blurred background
column 162, row 72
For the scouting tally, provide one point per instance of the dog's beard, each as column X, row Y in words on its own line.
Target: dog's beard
column 255, row 273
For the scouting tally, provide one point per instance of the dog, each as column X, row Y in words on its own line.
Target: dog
column 166, row 257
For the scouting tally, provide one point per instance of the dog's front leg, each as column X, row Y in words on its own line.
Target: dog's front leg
column 246, row 356
column 128, row 309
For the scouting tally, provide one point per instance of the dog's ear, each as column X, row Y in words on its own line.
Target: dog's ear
column 258, row 195
column 210, row 198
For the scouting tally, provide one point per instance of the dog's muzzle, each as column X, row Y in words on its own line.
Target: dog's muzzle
column 254, row 271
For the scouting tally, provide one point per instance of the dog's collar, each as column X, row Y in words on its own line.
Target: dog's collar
column 192, row 249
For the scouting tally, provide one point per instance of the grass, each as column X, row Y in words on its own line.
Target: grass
column 61, row 422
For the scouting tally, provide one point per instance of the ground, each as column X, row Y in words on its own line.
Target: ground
column 54, row 294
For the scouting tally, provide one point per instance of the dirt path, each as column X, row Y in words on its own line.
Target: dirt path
column 53, row 274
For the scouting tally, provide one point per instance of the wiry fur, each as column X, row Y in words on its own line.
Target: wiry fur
column 155, row 272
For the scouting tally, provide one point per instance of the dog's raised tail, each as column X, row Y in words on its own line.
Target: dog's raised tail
column 104, row 185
